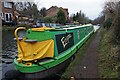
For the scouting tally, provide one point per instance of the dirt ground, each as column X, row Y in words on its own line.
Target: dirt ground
column 88, row 66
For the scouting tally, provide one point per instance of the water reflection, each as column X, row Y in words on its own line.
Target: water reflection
column 9, row 51
column 9, row 45
column 96, row 28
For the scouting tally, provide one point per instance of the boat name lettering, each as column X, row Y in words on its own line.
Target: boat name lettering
column 65, row 40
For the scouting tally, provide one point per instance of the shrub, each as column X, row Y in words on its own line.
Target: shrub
column 107, row 24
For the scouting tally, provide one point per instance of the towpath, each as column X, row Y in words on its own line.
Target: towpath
column 88, row 66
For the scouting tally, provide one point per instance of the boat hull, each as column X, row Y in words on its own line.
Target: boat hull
column 49, row 72
column 62, row 57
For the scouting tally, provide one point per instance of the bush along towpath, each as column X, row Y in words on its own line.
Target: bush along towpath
column 85, row 64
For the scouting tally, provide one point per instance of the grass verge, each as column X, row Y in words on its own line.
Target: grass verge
column 108, row 56
column 78, row 56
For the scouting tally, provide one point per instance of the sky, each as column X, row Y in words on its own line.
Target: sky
column 92, row 8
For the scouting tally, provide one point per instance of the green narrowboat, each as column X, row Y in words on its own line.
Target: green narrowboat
column 45, row 51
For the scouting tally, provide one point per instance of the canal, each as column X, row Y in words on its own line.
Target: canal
column 9, row 51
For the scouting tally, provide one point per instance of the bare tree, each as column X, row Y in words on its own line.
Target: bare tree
column 28, row 9
column 112, row 10
column 43, row 12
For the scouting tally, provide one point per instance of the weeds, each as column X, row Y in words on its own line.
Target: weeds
column 108, row 57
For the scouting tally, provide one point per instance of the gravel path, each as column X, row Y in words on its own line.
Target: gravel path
column 88, row 66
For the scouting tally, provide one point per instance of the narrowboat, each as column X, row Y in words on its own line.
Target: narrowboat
column 45, row 51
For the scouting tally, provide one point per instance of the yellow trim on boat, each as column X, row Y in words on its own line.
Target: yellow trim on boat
column 42, row 29
column 15, row 33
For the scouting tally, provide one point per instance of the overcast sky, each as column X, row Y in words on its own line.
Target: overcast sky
column 91, row 8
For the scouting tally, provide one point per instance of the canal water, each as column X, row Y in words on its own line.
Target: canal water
column 96, row 28
column 9, row 51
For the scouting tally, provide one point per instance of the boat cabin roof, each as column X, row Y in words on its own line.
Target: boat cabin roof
column 68, row 27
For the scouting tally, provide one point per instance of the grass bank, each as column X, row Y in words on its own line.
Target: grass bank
column 108, row 56
column 78, row 56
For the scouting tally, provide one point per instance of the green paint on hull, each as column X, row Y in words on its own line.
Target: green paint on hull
column 80, row 34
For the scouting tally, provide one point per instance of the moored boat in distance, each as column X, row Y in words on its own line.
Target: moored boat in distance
column 45, row 51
